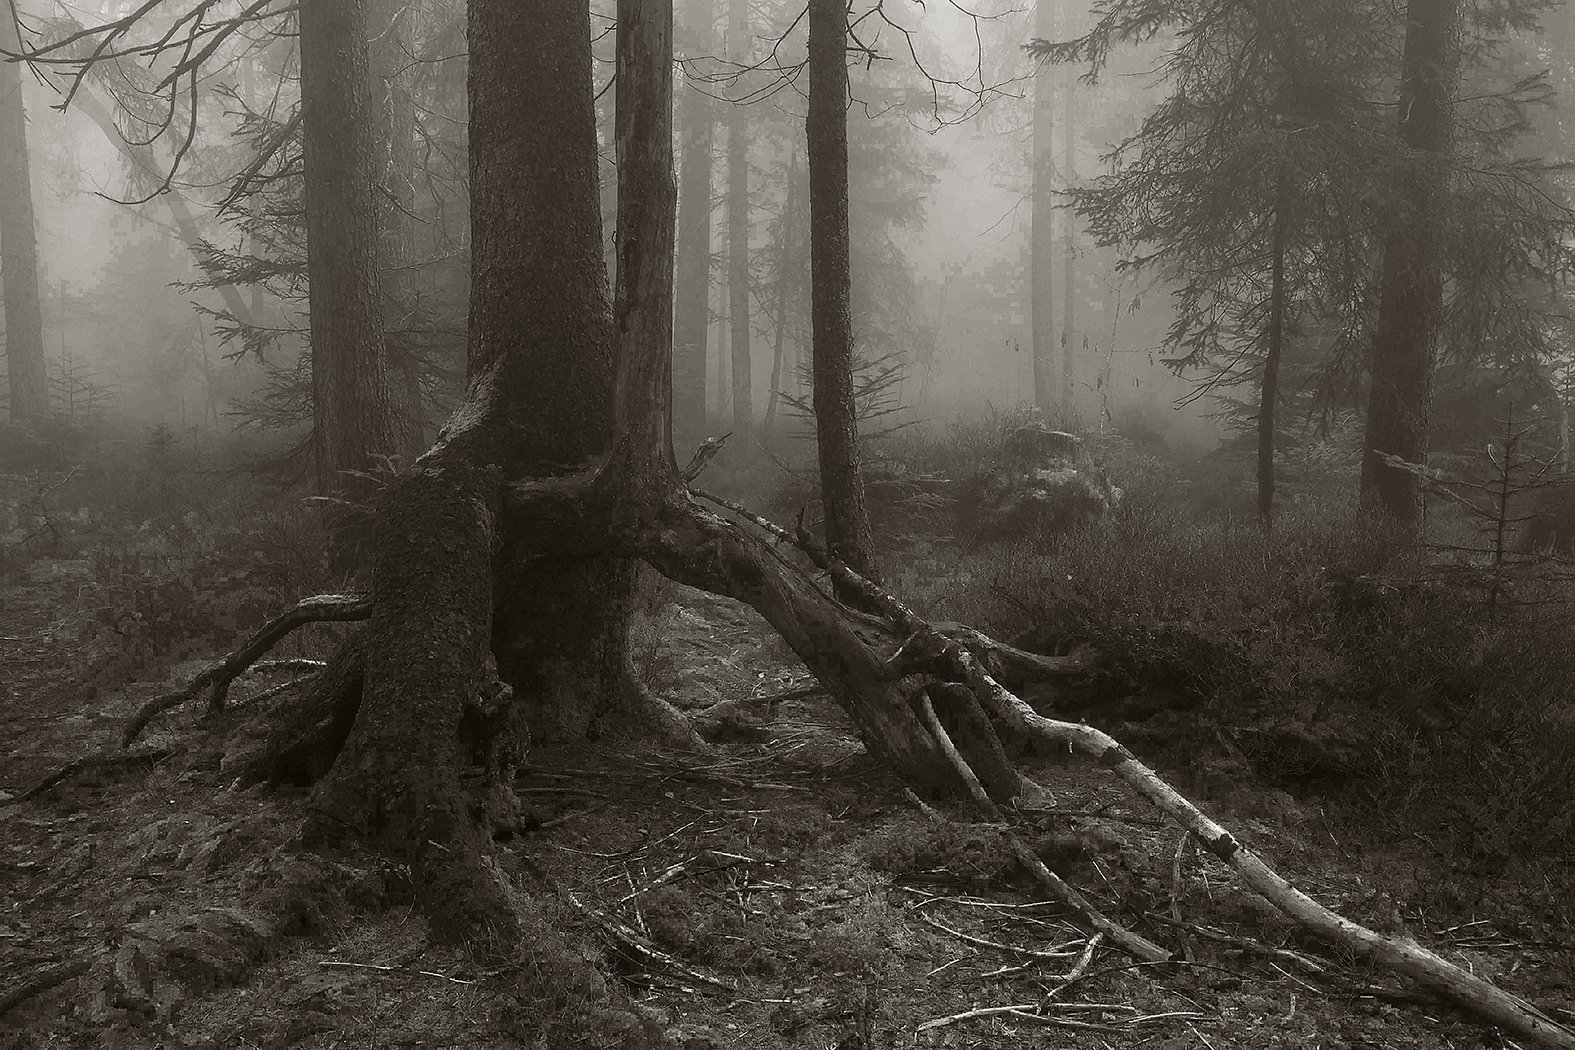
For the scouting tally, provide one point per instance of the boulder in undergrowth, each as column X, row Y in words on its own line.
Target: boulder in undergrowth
column 1045, row 482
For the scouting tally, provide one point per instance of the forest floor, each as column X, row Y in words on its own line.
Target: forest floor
column 789, row 892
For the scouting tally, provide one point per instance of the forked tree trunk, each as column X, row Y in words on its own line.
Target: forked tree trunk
column 1041, row 291
column 738, row 233
column 24, row 318
column 1411, row 286
column 353, row 416
column 836, row 418
column 692, row 306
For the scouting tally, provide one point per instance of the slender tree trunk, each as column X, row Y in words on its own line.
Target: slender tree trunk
column 1069, row 259
column 692, row 305
column 1276, row 341
column 724, row 357
column 353, row 415
column 1411, row 286
column 785, row 262
column 24, row 318
column 392, row 44
column 738, row 231
column 836, row 421
column 1042, row 225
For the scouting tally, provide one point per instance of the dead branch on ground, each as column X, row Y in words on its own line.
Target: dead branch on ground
column 1401, row 955
column 217, row 676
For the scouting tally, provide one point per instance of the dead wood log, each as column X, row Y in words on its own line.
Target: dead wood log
column 1401, row 955
column 217, row 676
column 1139, row 947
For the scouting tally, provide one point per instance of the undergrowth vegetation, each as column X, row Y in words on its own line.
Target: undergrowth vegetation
column 1323, row 656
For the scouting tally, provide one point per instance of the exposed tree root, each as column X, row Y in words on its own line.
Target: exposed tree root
column 110, row 762
column 46, row 978
column 217, row 676
column 1403, row 956
column 296, row 740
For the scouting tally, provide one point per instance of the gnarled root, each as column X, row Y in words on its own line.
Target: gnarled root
column 296, row 740
column 217, row 676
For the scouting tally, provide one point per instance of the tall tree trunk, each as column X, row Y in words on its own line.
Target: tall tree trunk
column 24, row 318
column 1042, row 225
column 392, row 44
column 836, row 420
column 1069, row 256
column 457, row 581
column 785, row 261
column 1276, row 340
column 738, row 230
column 1411, row 286
column 353, row 415
column 724, row 357
column 692, row 305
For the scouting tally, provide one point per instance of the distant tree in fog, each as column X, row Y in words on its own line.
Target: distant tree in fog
column 24, row 322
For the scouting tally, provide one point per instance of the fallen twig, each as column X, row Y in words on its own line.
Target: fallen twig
column 331, row 964
column 628, row 939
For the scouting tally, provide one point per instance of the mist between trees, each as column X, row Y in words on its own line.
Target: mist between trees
column 415, row 407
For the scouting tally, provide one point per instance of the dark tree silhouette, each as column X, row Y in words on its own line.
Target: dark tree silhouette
column 836, row 422
column 692, row 308
column 1411, row 287
column 353, row 413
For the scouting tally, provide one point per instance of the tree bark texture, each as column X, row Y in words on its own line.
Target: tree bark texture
column 1411, row 284
column 353, row 415
column 392, row 54
column 836, row 419
column 738, row 230
column 1041, row 289
column 692, row 306
column 542, row 345
column 24, row 320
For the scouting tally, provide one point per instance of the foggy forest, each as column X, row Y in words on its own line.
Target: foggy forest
column 787, row 523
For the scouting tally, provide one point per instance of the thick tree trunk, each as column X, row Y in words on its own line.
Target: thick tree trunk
column 353, row 415
column 24, row 319
column 1270, row 391
column 836, row 419
column 781, row 371
column 392, row 43
column 692, row 307
column 542, row 334
column 1042, row 226
column 1411, row 287
column 738, row 232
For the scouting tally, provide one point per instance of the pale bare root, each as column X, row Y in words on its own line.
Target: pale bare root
column 1401, row 955
column 217, row 676
column 1139, row 947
